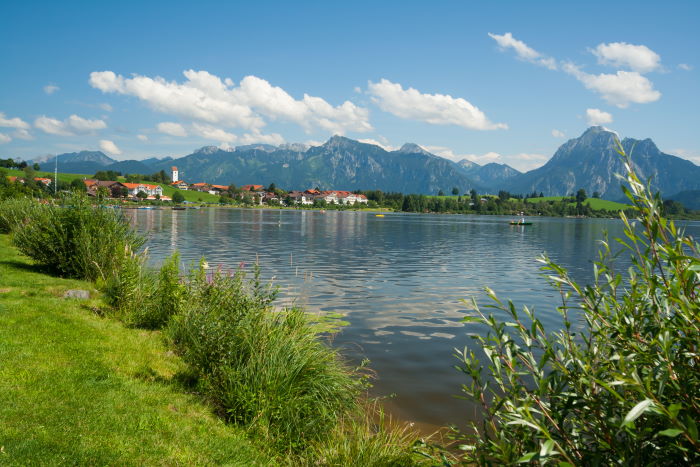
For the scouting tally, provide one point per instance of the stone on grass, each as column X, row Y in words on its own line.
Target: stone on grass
column 77, row 293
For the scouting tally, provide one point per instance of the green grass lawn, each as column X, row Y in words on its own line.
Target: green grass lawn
column 40, row 173
column 80, row 389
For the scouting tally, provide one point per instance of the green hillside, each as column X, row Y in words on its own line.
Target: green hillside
column 193, row 196
column 594, row 203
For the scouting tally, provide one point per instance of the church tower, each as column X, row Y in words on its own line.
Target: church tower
column 175, row 174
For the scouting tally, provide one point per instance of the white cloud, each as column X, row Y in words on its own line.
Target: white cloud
column 142, row 137
column 206, row 98
column 620, row 89
column 50, row 89
column 15, row 122
column 22, row 133
column 437, row 109
column 598, row 117
column 693, row 156
column 522, row 161
column 4, row 138
column 523, row 51
column 639, row 58
column 274, row 139
column 106, row 107
column 685, row 67
column 382, row 143
column 216, row 134
column 172, row 129
column 558, row 134
column 69, row 127
column 109, row 147
column 83, row 125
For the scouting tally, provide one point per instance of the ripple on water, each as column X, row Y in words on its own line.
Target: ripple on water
column 399, row 280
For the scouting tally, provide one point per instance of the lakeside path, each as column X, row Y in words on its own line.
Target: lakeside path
column 80, row 389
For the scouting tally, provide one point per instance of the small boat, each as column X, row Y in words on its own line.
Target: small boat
column 520, row 223
column 379, row 215
column 179, row 208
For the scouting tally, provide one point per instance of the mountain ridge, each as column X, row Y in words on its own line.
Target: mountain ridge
column 589, row 161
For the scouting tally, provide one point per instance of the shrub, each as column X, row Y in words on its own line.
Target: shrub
column 15, row 213
column 625, row 390
column 265, row 369
column 76, row 239
column 144, row 298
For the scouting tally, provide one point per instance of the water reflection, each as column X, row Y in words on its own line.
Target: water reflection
column 398, row 279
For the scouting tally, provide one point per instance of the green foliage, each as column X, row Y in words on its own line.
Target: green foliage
column 78, row 185
column 144, row 298
column 619, row 388
column 178, row 197
column 76, row 239
column 265, row 369
column 16, row 212
column 106, row 175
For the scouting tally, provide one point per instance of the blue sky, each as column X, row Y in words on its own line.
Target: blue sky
column 489, row 81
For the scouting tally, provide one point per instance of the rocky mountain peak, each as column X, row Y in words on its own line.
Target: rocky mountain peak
column 412, row 148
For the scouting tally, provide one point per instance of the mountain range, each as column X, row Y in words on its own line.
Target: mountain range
column 589, row 161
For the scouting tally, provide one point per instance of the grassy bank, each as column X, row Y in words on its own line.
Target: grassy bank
column 79, row 389
column 103, row 378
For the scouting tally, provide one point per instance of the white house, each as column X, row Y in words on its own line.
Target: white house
column 150, row 190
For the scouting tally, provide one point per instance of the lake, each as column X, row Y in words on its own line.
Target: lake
column 398, row 280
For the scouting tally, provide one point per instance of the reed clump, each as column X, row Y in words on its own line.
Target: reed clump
column 70, row 239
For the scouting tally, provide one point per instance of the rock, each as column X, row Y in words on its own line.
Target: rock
column 77, row 293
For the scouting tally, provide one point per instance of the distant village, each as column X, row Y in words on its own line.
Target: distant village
column 258, row 193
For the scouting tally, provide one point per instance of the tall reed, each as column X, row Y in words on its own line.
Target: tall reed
column 265, row 369
column 76, row 239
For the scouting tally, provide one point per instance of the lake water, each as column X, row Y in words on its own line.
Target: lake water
column 398, row 280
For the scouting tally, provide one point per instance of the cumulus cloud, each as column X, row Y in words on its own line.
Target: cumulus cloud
column 619, row 89
column 216, row 134
column 693, row 156
column 50, row 89
column 382, row 143
column 172, row 129
column 4, row 138
column 558, row 134
column 15, row 122
column 209, row 99
column 142, row 137
column 598, row 117
column 22, row 133
column 685, row 67
column 437, row 109
column 69, row 127
column 522, row 161
column 523, row 51
column 639, row 58
column 109, row 147
column 106, row 107
column 274, row 139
